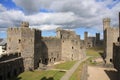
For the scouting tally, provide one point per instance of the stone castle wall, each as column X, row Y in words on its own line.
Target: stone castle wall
column 110, row 36
column 27, row 42
column 10, row 66
column 71, row 45
column 51, row 48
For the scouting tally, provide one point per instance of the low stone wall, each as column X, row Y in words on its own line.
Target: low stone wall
column 84, row 74
column 9, row 56
column 11, row 68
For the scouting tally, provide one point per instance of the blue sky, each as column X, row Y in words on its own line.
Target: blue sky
column 47, row 15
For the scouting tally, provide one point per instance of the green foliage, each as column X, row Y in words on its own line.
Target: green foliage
column 66, row 65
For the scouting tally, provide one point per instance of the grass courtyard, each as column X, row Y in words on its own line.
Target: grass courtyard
column 40, row 75
column 46, row 74
column 94, row 52
column 66, row 65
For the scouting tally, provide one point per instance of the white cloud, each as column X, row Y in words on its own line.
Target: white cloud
column 51, row 18
column 2, row 8
column 46, row 27
column 67, row 13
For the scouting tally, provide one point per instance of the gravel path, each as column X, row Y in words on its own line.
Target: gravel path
column 70, row 72
column 99, row 73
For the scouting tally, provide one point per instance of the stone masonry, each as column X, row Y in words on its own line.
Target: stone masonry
column 110, row 36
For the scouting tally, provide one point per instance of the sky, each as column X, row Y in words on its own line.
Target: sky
column 47, row 15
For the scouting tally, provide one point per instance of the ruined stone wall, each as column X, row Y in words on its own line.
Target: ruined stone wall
column 66, row 34
column 67, row 50
column 27, row 42
column 51, row 50
column 71, row 50
column 71, row 45
column 31, row 47
column 10, row 66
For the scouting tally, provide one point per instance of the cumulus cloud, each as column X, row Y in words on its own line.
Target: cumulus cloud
column 46, row 27
column 69, row 14
column 2, row 8
column 43, row 21
column 31, row 6
column 51, row 18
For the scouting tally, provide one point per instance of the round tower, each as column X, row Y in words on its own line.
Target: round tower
column 85, row 35
column 98, row 37
column 106, row 23
column 58, row 30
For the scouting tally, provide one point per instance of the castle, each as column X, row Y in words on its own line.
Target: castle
column 28, row 50
column 92, row 41
column 110, row 36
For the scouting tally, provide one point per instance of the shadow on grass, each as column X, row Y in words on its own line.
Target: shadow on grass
column 50, row 78
column 113, row 75
column 16, row 78
column 44, row 78
column 102, row 55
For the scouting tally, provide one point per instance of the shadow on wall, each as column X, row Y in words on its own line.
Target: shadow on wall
column 113, row 75
column 50, row 78
column 44, row 55
column 11, row 69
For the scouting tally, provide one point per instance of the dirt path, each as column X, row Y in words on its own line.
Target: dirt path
column 99, row 73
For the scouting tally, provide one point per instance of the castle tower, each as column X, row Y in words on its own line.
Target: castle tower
column 85, row 38
column 25, row 41
column 85, row 35
column 106, row 23
column 97, row 38
column 58, row 31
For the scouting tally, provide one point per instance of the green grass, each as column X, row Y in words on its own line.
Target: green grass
column 46, row 75
column 77, row 73
column 40, row 75
column 66, row 65
column 94, row 51
column 91, row 52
